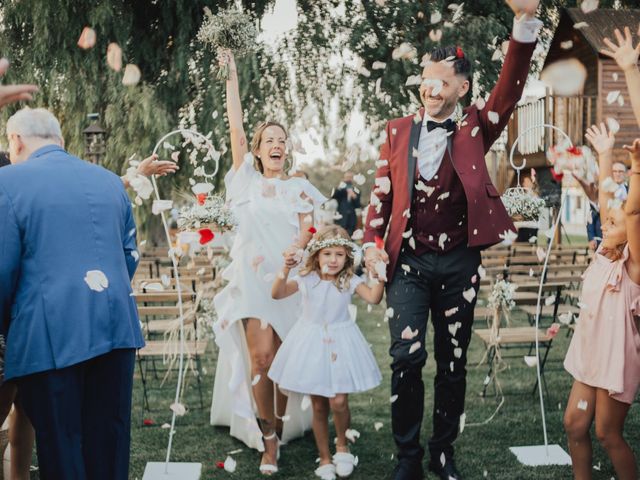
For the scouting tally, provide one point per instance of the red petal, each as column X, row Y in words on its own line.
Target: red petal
column 148, row 421
column 206, row 235
column 557, row 177
column 220, row 464
column 312, row 230
column 379, row 243
column 201, row 198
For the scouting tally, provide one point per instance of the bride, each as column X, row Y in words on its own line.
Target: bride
column 273, row 212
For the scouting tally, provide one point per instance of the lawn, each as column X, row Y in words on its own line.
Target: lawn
column 481, row 451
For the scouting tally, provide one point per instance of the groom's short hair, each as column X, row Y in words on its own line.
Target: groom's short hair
column 461, row 64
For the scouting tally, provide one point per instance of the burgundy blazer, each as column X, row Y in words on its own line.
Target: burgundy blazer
column 486, row 215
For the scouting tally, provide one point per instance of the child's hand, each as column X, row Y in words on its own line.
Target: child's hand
column 634, row 154
column 601, row 140
column 292, row 256
column 624, row 54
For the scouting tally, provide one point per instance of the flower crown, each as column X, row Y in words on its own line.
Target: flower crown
column 315, row 245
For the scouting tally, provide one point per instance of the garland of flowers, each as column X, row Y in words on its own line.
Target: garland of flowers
column 315, row 245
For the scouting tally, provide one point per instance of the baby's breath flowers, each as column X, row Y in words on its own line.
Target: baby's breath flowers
column 229, row 29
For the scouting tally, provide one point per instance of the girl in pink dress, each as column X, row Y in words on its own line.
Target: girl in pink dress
column 604, row 355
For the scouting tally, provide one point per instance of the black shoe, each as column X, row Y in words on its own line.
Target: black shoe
column 446, row 472
column 407, row 471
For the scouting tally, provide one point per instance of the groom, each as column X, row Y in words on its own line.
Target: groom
column 434, row 195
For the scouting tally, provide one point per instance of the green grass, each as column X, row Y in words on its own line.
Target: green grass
column 478, row 449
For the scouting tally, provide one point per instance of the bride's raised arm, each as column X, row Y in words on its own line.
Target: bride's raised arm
column 239, row 147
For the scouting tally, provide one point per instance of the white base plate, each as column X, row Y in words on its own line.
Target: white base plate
column 176, row 471
column 537, row 455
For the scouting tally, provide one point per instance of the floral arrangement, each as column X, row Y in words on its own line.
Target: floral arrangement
column 229, row 29
column 501, row 297
column 210, row 211
column 578, row 160
column 522, row 205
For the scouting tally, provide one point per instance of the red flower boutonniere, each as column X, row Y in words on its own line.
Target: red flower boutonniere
column 206, row 235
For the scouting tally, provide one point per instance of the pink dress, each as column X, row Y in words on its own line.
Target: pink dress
column 605, row 349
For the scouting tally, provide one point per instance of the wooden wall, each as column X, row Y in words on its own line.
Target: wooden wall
column 624, row 115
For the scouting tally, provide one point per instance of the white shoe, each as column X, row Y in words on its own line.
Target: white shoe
column 326, row 472
column 345, row 463
column 266, row 468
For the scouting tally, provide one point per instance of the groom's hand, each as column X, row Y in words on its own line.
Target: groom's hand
column 522, row 7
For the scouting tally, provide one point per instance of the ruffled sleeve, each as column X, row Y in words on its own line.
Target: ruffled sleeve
column 239, row 182
column 353, row 284
column 615, row 274
column 307, row 196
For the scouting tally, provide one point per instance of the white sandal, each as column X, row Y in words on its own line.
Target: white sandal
column 345, row 463
column 268, row 469
column 326, row 472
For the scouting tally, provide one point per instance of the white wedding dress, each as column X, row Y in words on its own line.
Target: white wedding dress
column 267, row 212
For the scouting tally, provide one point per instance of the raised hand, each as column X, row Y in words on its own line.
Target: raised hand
column 601, row 140
column 634, row 154
column 292, row 256
column 13, row 93
column 623, row 53
column 152, row 166
column 521, row 7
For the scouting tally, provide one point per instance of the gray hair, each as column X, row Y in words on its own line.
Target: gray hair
column 34, row 122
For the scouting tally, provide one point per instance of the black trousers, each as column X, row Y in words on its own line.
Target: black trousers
column 435, row 283
column 82, row 417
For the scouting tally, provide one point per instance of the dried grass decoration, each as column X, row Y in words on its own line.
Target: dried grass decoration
column 522, row 205
column 229, row 29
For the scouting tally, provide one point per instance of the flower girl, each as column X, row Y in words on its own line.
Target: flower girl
column 325, row 356
column 604, row 355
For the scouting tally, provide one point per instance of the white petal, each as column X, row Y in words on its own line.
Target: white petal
column 414, row 346
column 96, row 280
column 531, row 360
column 161, row 206
column 494, row 117
column 305, row 403
column 378, row 425
column 230, row 465
column 131, row 75
column 469, row 294
column 256, row 379
column 583, row 404
column 178, row 408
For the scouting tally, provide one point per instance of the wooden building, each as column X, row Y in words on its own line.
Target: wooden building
column 574, row 114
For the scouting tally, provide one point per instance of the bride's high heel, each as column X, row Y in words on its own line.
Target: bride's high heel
column 268, row 469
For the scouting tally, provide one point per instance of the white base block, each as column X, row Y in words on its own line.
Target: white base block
column 537, row 455
column 176, row 471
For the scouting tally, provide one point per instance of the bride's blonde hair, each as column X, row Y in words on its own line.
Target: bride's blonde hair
column 330, row 236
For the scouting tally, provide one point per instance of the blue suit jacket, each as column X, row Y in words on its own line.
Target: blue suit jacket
column 61, row 217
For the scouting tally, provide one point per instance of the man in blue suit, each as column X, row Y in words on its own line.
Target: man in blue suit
column 67, row 256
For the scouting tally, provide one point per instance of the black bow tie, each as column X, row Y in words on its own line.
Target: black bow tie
column 448, row 125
